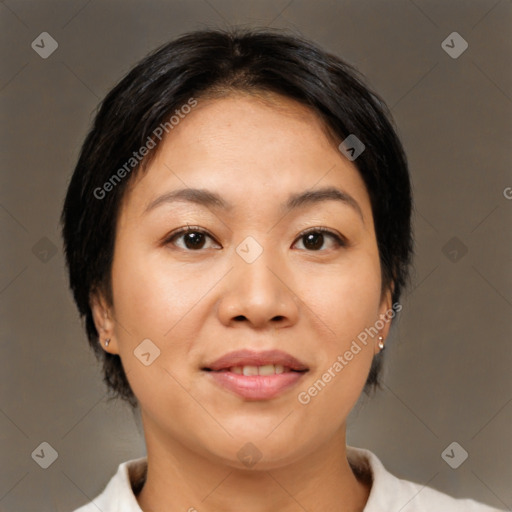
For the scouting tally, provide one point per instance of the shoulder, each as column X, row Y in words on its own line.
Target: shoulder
column 391, row 493
column 118, row 495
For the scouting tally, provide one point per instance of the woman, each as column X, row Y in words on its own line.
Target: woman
column 238, row 236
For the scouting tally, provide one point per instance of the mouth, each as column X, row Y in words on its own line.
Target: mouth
column 250, row 370
column 266, row 361
column 256, row 375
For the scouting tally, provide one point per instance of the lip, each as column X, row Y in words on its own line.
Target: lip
column 256, row 387
column 254, row 358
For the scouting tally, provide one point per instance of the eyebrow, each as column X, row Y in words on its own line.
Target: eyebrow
column 213, row 200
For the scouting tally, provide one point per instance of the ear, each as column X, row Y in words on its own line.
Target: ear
column 386, row 314
column 104, row 321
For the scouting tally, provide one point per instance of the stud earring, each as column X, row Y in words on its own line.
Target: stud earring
column 107, row 341
column 381, row 342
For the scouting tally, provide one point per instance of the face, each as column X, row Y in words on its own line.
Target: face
column 280, row 255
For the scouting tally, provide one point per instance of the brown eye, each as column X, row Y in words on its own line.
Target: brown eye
column 314, row 240
column 192, row 239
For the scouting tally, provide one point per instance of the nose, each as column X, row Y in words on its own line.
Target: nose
column 259, row 293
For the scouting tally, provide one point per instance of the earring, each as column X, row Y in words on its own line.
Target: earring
column 107, row 341
column 381, row 342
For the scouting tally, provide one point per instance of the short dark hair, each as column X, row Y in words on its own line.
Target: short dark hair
column 218, row 62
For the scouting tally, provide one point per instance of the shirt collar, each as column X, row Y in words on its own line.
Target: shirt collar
column 119, row 495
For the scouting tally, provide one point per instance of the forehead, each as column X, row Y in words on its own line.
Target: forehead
column 241, row 125
column 244, row 145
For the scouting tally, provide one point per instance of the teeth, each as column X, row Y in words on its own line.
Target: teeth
column 250, row 370
column 267, row 369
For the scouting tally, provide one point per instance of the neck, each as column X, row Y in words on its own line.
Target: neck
column 181, row 479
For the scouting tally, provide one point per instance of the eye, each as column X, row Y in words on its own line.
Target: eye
column 314, row 239
column 191, row 238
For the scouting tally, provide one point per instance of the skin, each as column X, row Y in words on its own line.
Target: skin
column 198, row 304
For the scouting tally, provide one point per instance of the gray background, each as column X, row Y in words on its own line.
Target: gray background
column 448, row 373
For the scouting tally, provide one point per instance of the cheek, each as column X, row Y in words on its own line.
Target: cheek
column 150, row 295
column 151, row 302
column 347, row 301
column 158, row 300
column 347, row 297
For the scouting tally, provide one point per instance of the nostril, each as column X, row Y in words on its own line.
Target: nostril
column 240, row 318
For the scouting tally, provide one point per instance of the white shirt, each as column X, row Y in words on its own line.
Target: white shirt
column 388, row 493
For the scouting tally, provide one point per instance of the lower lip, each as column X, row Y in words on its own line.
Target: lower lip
column 256, row 387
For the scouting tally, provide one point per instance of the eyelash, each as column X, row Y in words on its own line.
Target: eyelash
column 339, row 240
